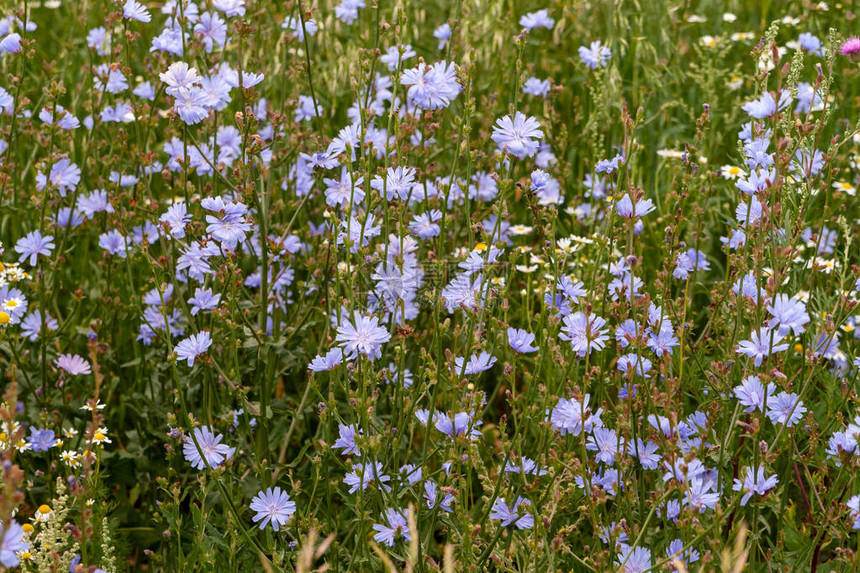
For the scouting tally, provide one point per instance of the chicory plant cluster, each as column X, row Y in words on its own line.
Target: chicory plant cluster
column 357, row 285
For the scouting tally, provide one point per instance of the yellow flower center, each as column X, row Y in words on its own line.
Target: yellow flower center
column 798, row 348
column 27, row 528
column 4, row 318
column 44, row 508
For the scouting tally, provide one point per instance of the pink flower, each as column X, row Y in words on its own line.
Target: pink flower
column 851, row 47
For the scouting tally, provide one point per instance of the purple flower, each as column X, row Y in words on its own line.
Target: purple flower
column 789, row 314
column 747, row 287
column 633, row 559
column 536, row 87
column 585, row 333
column 73, row 364
column 766, row 106
column 431, row 87
column 663, row 341
column 613, row 533
column 594, row 56
column 462, row 291
column 513, row 515
column 59, row 116
column 134, row 10
column 460, row 424
column 363, row 475
column 212, row 28
column 646, row 452
column 347, row 10
column 854, row 503
column 341, row 192
column 114, row 243
column 700, row 495
column 346, row 441
column 397, row 524
column 413, row 474
column 757, row 181
column 212, row 452
column 31, row 326
column 176, row 218
column 785, row 408
column 66, row 218
column 760, row 344
column 295, row 25
column 676, row 552
column 358, row 233
column 807, row 99
column 12, row 542
column 477, row 363
column 605, row 442
column 751, row 393
column 572, row 290
column 811, row 44
column 432, row 497
column 230, row 7
column 33, row 245
column 273, row 505
column 690, row 261
column 203, row 299
column 248, row 79
column 425, row 226
column 11, row 44
column 228, row 225
column 807, row 162
column 524, row 466
column 683, row 471
column 398, row 182
column 145, row 90
column 96, row 202
column 521, row 341
column 574, row 417
column 331, row 360
column 608, row 166
column 634, row 363
column 518, row 136
column 851, row 47
column 426, row 416
column 443, row 34
column 539, row 19
column 757, row 154
column 754, row 482
column 396, row 54
column 193, row 346
column 844, row 442
column 158, row 295
column 362, row 335
column 190, row 105
column 147, row 232
column 42, row 440
column 627, row 209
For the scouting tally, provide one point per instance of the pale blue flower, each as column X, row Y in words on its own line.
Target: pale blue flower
column 193, row 346
column 273, row 505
